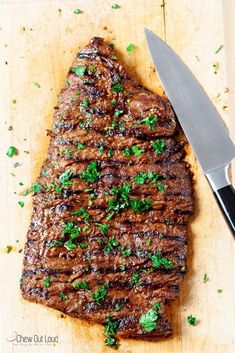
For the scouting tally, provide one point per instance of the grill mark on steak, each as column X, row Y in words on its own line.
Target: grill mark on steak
column 85, row 115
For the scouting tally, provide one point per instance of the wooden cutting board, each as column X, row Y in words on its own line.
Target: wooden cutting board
column 38, row 43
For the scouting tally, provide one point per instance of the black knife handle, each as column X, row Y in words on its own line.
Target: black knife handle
column 226, row 201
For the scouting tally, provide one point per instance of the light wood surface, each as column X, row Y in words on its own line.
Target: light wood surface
column 39, row 44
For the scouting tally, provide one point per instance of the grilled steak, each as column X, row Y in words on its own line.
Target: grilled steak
column 108, row 235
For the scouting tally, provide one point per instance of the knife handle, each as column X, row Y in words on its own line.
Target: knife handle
column 226, row 200
column 224, row 194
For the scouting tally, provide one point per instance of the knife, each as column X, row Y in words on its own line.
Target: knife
column 200, row 122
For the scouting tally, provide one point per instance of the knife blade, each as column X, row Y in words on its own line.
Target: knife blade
column 200, row 122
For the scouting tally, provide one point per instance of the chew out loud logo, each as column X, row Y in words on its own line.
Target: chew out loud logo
column 18, row 338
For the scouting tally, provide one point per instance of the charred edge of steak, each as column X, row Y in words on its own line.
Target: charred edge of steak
column 139, row 260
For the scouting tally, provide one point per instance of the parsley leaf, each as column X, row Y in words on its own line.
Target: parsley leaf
column 111, row 328
column 81, row 212
column 127, row 152
column 80, row 146
column 81, row 285
column 148, row 320
column 85, row 103
column 150, row 121
column 112, row 243
column 99, row 295
column 140, row 206
column 117, row 113
column 141, row 178
column 36, row 85
column 12, row 151
column 158, row 146
column 77, row 11
column 47, row 282
column 36, row 187
column 116, row 6
column 103, row 227
column 205, row 278
column 137, row 151
column 192, row 320
column 91, row 173
column 130, row 47
column 158, row 260
column 63, row 296
column 79, row 70
column 65, row 177
column 117, row 87
column 21, row 204
column 161, row 187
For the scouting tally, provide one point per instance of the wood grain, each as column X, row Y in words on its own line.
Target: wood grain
column 39, row 44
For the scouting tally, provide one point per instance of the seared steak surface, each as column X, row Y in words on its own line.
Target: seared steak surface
column 108, row 235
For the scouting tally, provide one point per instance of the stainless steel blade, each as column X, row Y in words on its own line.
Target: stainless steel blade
column 197, row 115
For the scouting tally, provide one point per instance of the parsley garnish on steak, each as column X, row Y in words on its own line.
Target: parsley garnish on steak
column 108, row 234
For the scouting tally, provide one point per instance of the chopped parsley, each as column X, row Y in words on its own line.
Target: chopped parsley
column 148, row 242
column 63, row 296
column 148, row 320
column 21, row 204
column 47, row 282
column 135, row 280
column 117, row 113
column 123, row 268
column 113, row 103
column 85, row 103
column 140, row 206
column 79, row 70
column 99, row 295
column 81, row 285
column 77, row 11
column 10, row 128
column 205, row 278
column 118, row 307
column 137, row 151
column 123, row 201
column 111, row 328
column 35, row 188
column 125, row 252
column 73, row 231
column 150, row 121
column 65, row 177
column 161, row 187
column 117, row 87
column 103, row 227
column 12, row 151
column 81, row 212
column 158, row 146
column 101, row 149
column 219, row 290
column 9, row 249
column 143, row 177
column 158, row 260
column 218, row 50
column 110, row 153
column 116, row 6
column 192, row 320
column 130, row 47
column 112, row 243
column 127, row 152
column 80, row 146
column 91, row 68
column 91, row 174
column 36, row 85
